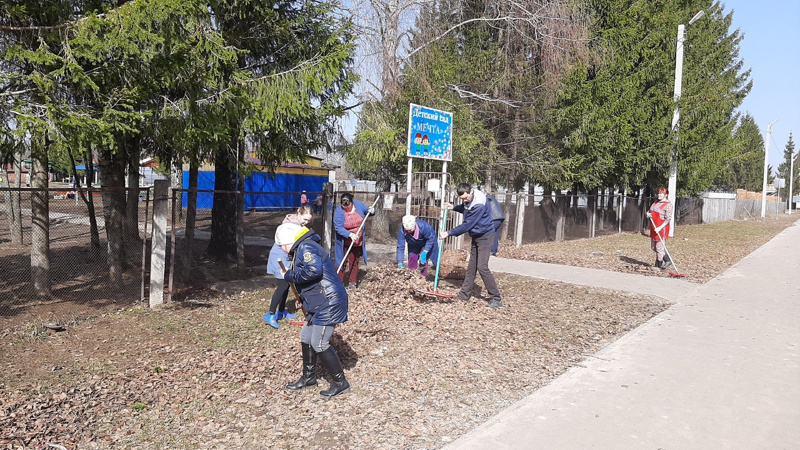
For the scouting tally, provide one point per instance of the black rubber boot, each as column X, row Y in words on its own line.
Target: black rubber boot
column 658, row 264
column 332, row 364
column 309, row 376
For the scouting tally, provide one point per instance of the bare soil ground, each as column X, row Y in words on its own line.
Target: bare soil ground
column 206, row 372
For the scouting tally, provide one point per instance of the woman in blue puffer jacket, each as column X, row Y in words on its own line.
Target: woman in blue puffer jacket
column 325, row 303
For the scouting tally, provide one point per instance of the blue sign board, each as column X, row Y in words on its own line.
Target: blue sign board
column 430, row 133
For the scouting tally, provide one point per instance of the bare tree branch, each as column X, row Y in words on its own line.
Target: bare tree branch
column 486, row 98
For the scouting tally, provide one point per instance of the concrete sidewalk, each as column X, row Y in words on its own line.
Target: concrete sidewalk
column 719, row 369
column 667, row 288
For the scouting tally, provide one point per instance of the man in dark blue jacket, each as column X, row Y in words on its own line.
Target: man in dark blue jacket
column 478, row 223
column 325, row 304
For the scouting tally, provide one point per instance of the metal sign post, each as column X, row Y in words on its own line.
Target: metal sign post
column 430, row 136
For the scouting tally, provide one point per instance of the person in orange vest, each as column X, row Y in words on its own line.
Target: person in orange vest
column 661, row 214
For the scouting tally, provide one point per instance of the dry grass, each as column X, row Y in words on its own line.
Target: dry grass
column 700, row 251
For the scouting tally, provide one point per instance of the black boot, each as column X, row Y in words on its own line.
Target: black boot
column 309, row 376
column 658, row 264
column 332, row 364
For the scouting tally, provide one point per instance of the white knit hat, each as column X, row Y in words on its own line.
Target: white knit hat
column 287, row 233
column 409, row 222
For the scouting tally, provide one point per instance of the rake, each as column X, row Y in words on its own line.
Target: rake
column 675, row 273
column 435, row 293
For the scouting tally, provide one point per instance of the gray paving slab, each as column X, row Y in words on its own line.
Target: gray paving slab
column 718, row 370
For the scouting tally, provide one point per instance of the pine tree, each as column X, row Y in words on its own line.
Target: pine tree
column 174, row 74
column 745, row 169
column 715, row 85
column 786, row 165
column 614, row 112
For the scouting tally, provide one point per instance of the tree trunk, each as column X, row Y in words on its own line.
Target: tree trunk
column 591, row 204
column 601, row 202
column 112, row 170
column 223, row 214
column 176, row 180
column 562, row 205
column 88, row 200
column 40, row 219
column 191, row 217
column 390, row 73
column 380, row 222
column 506, row 212
column 240, row 262
column 132, row 207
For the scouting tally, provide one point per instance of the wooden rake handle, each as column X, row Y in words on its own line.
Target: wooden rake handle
column 294, row 288
column 358, row 232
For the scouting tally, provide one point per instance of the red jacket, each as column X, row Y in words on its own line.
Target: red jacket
column 656, row 210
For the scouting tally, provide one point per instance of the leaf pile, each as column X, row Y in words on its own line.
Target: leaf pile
column 207, row 373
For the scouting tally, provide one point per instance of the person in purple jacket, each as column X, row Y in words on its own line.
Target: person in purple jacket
column 478, row 224
column 422, row 245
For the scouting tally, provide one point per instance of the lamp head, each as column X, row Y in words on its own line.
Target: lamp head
column 697, row 16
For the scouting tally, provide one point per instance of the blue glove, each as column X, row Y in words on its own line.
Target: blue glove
column 400, row 265
column 423, row 257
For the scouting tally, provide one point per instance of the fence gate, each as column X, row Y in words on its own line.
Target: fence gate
column 426, row 202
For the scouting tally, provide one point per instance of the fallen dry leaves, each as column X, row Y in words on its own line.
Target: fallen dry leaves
column 206, row 372
column 210, row 374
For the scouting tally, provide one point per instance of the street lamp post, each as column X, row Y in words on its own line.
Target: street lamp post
column 766, row 166
column 676, row 117
column 791, row 181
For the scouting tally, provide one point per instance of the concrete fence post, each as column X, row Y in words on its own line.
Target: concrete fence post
column 520, row 219
column 158, row 246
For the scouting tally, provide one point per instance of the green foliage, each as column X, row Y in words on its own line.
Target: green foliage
column 786, row 165
column 614, row 111
column 138, row 406
column 745, row 170
column 378, row 151
column 484, row 73
column 715, row 86
column 187, row 76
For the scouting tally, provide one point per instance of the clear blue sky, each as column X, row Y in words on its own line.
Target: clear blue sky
column 771, row 48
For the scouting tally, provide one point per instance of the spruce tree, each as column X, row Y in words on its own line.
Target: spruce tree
column 785, row 167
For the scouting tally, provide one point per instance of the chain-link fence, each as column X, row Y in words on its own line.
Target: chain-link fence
column 54, row 254
column 60, row 269
column 206, row 252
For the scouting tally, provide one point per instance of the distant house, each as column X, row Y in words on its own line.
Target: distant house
column 147, row 172
column 25, row 173
column 285, row 185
